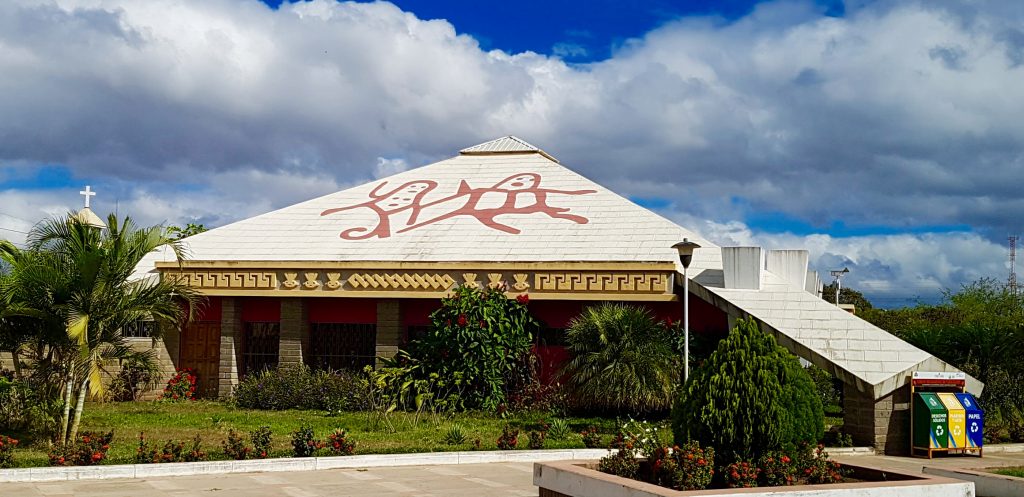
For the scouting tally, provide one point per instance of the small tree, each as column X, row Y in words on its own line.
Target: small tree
column 749, row 397
column 622, row 360
column 477, row 339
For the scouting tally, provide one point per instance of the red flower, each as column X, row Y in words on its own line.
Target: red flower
column 523, row 299
column 462, row 320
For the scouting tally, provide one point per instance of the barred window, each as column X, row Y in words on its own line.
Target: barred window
column 260, row 344
column 551, row 337
column 142, row 328
column 337, row 346
column 413, row 333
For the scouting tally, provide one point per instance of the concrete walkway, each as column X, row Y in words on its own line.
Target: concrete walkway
column 465, row 480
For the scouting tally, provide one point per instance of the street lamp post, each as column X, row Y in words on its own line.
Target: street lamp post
column 838, row 273
column 685, row 249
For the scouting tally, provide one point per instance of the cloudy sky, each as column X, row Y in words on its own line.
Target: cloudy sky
column 883, row 136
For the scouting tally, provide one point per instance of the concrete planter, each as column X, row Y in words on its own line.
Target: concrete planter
column 578, row 479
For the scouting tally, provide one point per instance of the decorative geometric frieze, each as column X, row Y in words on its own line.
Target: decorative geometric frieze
column 521, row 285
column 332, row 281
column 400, row 281
column 601, row 282
column 256, row 280
column 290, row 281
column 469, row 280
column 494, row 280
column 311, row 282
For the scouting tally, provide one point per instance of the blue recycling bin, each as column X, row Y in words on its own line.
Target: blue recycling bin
column 975, row 420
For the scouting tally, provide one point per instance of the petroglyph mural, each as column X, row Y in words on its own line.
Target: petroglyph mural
column 520, row 193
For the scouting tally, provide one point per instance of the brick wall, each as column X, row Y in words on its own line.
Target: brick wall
column 230, row 345
column 389, row 327
column 294, row 331
column 883, row 424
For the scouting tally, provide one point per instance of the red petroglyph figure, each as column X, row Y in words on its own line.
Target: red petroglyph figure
column 517, row 194
column 403, row 198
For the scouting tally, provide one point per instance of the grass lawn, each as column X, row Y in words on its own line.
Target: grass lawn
column 162, row 421
column 1017, row 471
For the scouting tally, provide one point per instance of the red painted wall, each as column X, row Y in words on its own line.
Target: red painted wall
column 416, row 312
column 342, row 310
column 261, row 309
column 209, row 311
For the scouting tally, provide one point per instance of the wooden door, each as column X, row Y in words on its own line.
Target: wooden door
column 200, row 351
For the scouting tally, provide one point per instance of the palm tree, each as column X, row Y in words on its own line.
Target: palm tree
column 622, row 360
column 79, row 276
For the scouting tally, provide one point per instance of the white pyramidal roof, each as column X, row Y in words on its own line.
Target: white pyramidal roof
column 517, row 205
column 507, row 201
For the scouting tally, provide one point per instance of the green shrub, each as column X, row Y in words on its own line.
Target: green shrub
column 304, row 442
column 591, row 439
column 536, row 439
column 299, row 387
column 476, row 341
column 777, row 469
column 741, row 474
column 261, row 438
column 25, row 407
column 620, row 463
column 139, row 372
column 234, row 446
column 559, row 429
column 622, row 360
column 456, row 435
column 750, row 396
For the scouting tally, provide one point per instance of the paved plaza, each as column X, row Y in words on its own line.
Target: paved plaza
column 464, row 480
column 492, row 480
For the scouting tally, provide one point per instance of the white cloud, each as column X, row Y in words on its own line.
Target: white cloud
column 901, row 114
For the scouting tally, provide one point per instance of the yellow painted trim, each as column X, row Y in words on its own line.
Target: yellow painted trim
column 631, row 297
column 396, row 265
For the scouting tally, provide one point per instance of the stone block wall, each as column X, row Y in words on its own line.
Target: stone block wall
column 883, row 424
column 294, row 332
column 389, row 327
column 230, row 345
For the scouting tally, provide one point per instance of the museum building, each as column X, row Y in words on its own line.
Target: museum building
column 344, row 279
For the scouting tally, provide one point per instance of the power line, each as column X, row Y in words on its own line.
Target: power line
column 14, row 230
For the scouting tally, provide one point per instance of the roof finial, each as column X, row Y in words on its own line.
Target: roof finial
column 87, row 193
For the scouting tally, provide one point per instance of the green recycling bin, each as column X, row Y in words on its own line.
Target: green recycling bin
column 931, row 422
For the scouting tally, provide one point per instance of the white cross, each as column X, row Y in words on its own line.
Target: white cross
column 87, row 193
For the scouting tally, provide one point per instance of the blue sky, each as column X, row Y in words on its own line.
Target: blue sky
column 578, row 31
column 881, row 135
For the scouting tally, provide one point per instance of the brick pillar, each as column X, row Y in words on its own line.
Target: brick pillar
column 230, row 345
column 883, row 423
column 294, row 331
column 389, row 327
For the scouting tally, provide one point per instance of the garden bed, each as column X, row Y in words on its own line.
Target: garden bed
column 582, row 479
column 162, row 421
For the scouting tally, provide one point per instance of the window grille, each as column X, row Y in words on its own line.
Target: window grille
column 549, row 337
column 413, row 333
column 337, row 346
column 260, row 344
column 142, row 328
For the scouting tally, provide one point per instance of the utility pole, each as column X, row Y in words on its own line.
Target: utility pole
column 1011, row 282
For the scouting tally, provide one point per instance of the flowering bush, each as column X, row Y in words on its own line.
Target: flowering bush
column 509, row 438
column 741, row 474
column 683, row 468
column 777, row 469
column 7, row 445
column 171, row 451
column 89, row 448
column 591, row 439
column 340, row 443
column 235, row 447
column 304, row 442
column 821, row 469
column 301, row 387
column 622, row 462
column 181, row 386
column 261, row 438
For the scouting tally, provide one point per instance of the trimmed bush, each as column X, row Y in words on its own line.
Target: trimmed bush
column 749, row 397
column 299, row 387
column 88, row 449
column 623, row 361
column 7, row 445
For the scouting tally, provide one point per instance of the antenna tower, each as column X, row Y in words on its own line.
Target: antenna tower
column 1011, row 283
